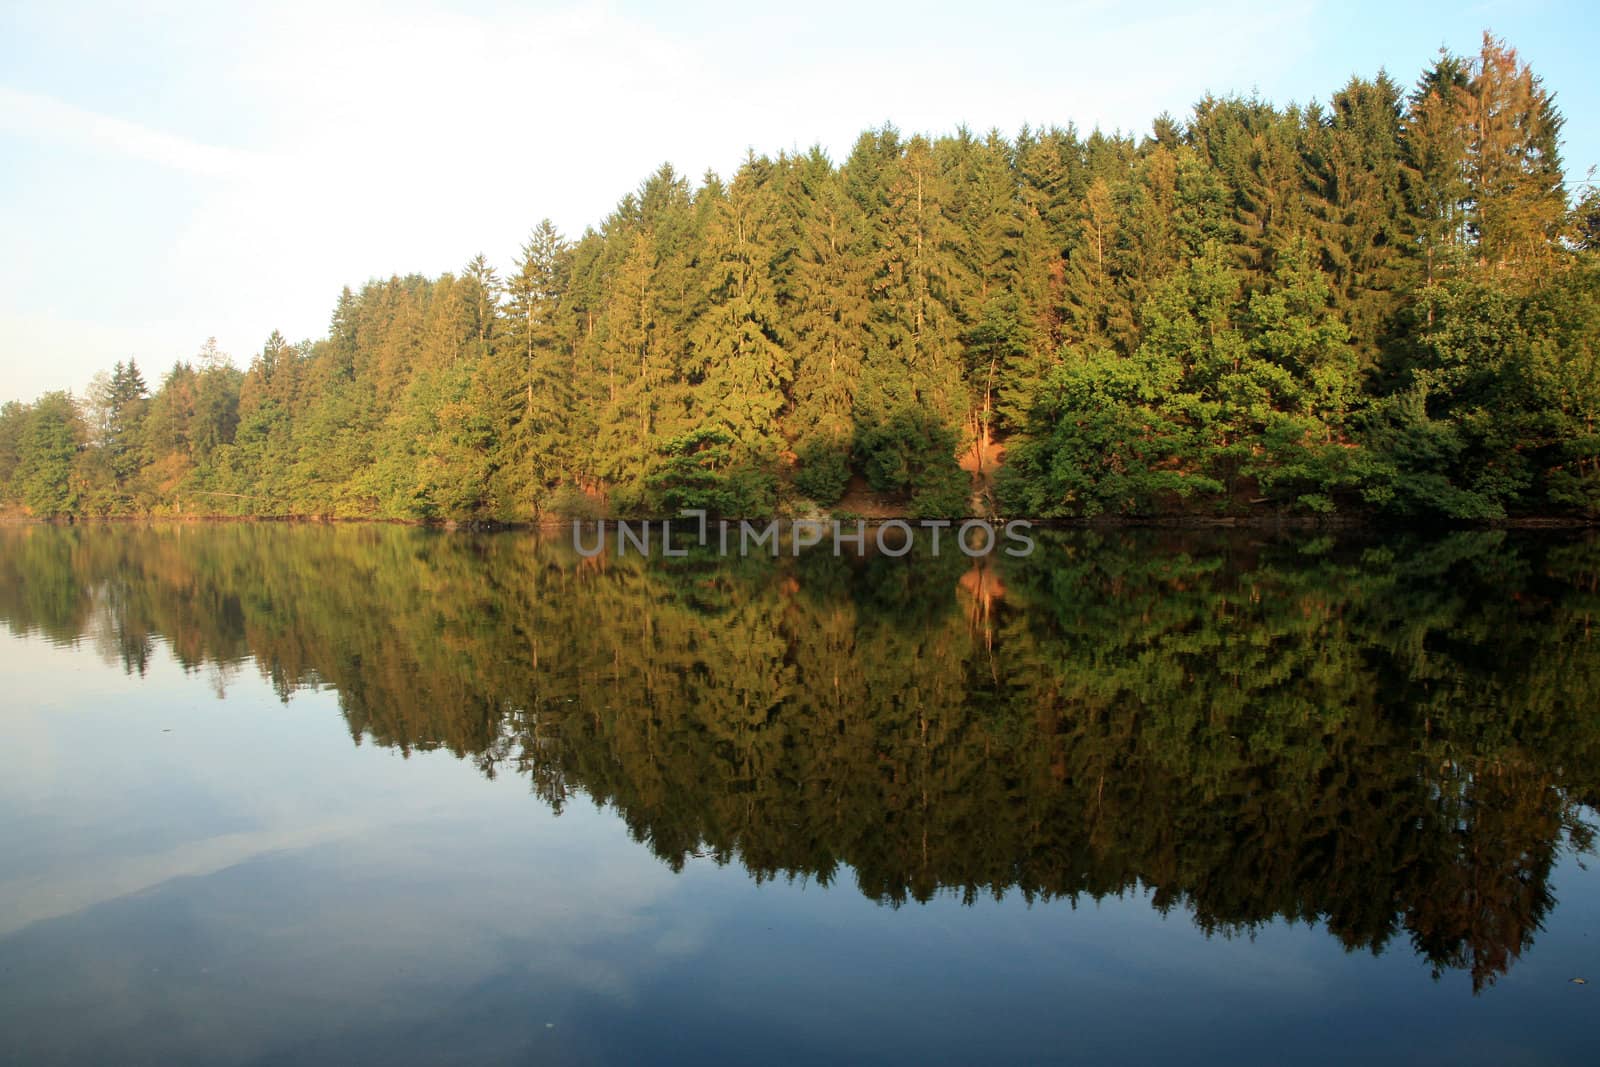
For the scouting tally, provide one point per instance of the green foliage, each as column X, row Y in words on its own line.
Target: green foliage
column 1297, row 466
column 698, row 471
column 14, row 420
column 823, row 471
column 1383, row 303
column 913, row 455
column 1415, row 469
column 569, row 502
column 1104, row 444
column 45, row 452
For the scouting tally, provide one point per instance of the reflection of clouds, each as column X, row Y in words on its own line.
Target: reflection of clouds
column 326, row 867
column 31, row 668
column 681, row 940
column 451, row 930
column 465, row 894
column 26, row 900
column 255, row 847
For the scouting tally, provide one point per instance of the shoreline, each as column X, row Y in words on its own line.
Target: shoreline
column 1196, row 522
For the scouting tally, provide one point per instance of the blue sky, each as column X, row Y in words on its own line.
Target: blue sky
column 175, row 171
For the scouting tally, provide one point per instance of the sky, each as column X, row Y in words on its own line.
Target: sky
column 171, row 171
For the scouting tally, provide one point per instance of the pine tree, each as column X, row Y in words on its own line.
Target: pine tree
column 125, row 409
column 988, row 298
column 1435, row 134
column 1513, row 164
column 824, row 299
column 533, row 386
column 1369, row 235
column 1380, row 303
column 482, row 300
column 741, row 368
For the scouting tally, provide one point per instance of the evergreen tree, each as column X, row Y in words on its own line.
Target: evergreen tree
column 1513, row 163
column 534, row 387
column 49, row 443
column 1380, row 304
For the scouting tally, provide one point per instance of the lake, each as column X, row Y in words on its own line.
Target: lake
column 371, row 794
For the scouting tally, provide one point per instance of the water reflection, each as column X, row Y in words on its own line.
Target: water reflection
column 1391, row 738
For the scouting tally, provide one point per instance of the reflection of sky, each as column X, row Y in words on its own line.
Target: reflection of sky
column 188, row 879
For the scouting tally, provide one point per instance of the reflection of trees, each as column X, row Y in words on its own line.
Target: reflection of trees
column 1391, row 739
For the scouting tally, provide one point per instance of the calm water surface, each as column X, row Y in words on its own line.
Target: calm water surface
column 375, row 795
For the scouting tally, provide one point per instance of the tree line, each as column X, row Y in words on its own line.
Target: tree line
column 1383, row 305
column 1391, row 739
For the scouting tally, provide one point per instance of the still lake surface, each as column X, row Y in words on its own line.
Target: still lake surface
column 365, row 794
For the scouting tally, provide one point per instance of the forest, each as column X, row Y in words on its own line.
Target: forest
column 1389, row 737
column 1382, row 306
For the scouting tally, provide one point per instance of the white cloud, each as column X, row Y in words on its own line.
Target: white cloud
column 47, row 119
